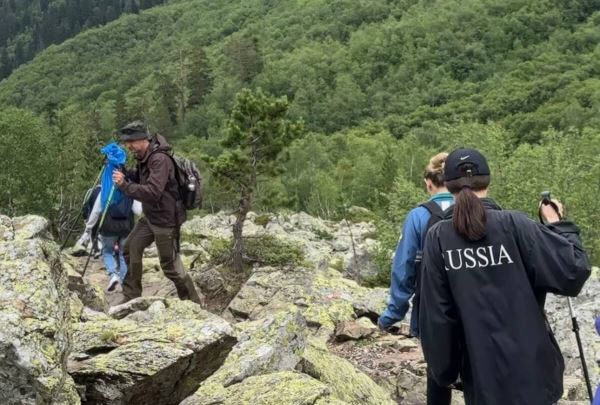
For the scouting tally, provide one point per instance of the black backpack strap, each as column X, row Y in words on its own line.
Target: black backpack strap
column 177, row 196
column 437, row 214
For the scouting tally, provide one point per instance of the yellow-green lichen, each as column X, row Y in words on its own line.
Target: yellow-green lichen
column 346, row 382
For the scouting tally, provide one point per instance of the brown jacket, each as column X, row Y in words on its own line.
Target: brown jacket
column 155, row 186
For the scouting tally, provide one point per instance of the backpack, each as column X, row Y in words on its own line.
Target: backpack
column 119, row 219
column 189, row 181
column 437, row 214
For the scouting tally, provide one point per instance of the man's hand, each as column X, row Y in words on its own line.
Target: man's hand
column 118, row 177
column 549, row 213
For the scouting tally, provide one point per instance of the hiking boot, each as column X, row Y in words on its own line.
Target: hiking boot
column 112, row 284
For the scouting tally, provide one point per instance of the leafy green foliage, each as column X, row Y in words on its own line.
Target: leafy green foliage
column 26, row 167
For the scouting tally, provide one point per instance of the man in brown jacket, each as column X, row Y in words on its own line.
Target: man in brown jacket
column 155, row 186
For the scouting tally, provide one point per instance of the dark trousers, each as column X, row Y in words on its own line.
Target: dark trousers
column 437, row 395
column 142, row 235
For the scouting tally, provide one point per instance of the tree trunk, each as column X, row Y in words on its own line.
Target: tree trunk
column 238, row 226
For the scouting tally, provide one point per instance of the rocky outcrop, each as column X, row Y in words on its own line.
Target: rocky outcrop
column 268, row 351
column 265, row 346
column 324, row 297
column 35, row 316
column 158, row 355
column 346, row 245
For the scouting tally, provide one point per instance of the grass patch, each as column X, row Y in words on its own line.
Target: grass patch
column 262, row 220
column 265, row 250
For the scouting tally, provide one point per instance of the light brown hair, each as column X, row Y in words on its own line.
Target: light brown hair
column 434, row 170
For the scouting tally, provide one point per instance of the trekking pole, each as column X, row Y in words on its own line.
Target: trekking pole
column 85, row 201
column 580, row 347
column 95, row 239
column 546, row 200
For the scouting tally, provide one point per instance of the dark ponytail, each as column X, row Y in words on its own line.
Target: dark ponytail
column 468, row 216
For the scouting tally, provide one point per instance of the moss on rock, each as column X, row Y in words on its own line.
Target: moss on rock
column 347, row 383
column 281, row 388
column 268, row 345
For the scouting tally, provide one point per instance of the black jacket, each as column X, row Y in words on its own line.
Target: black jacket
column 155, row 186
column 482, row 306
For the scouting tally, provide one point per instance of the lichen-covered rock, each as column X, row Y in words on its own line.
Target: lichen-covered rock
column 322, row 241
column 135, row 305
column 31, row 226
column 156, row 356
column 91, row 295
column 345, row 381
column 325, row 297
column 34, row 319
column 268, row 345
column 282, row 388
column 6, row 229
column 210, row 281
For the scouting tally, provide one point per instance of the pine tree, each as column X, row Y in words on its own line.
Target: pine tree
column 258, row 130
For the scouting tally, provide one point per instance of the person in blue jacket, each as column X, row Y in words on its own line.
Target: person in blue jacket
column 403, row 267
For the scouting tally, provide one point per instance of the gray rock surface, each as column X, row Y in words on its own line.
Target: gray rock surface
column 158, row 353
column 35, row 317
column 324, row 297
column 323, row 242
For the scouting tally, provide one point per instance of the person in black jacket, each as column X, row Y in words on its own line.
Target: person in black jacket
column 486, row 273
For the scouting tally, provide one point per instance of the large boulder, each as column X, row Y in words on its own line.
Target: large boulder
column 157, row 352
column 35, row 316
column 326, row 298
column 264, row 346
column 268, row 350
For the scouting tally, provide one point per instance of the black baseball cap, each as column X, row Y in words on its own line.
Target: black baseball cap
column 465, row 162
column 133, row 131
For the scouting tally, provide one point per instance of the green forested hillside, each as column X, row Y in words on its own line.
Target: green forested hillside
column 27, row 27
column 529, row 65
column 380, row 86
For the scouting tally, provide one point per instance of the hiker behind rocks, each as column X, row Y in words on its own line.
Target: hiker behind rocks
column 154, row 184
column 118, row 220
column 485, row 276
column 405, row 267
